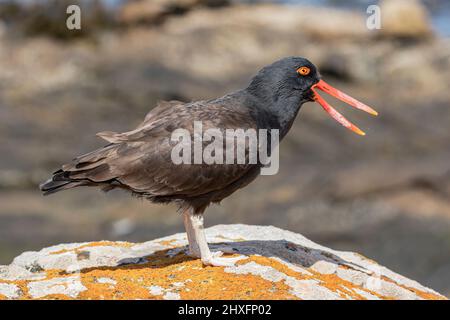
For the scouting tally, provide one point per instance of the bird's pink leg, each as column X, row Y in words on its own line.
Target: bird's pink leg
column 198, row 246
column 194, row 250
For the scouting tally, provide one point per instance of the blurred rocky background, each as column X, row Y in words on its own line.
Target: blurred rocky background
column 385, row 195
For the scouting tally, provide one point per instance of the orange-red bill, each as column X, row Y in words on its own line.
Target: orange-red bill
column 322, row 85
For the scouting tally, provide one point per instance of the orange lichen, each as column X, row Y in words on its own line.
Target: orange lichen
column 55, row 297
column 22, row 284
column 187, row 278
column 166, row 242
column 419, row 293
column 195, row 281
column 231, row 239
column 94, row 244
column 344, row 287
column 332, row 282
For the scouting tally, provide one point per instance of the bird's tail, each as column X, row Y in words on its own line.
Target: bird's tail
column 91, row 169
column 58, row 182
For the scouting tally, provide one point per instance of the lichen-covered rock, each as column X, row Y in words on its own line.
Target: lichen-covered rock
column 405, row 19
column 274, row 264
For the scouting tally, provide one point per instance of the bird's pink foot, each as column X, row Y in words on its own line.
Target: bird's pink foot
column 216, row 260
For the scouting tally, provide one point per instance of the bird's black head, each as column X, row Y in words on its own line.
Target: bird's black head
column 286, row 84
column 286, row 78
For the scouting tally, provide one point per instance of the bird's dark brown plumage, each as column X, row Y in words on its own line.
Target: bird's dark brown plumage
column 140, row 160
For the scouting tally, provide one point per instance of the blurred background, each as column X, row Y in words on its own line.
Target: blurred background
column 385, row 196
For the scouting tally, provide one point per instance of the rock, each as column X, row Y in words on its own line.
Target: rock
column 404, row 19
column 201, row 45
column 315, row 22
column 154, row 11
column 16, row 273
column 133, row 12
column 37, row 18
column 2, row 28
column 67, row 287
column 274, row 264
column 414, row 67
column 10, row 291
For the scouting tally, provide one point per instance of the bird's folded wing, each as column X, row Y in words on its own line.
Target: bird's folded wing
column 141, row 159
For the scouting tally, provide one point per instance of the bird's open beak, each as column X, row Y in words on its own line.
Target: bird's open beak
column 322, row 85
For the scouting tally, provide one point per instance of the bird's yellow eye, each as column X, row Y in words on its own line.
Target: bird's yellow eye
column 304, row 71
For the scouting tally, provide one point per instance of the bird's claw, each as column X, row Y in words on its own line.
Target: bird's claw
column 216, row 260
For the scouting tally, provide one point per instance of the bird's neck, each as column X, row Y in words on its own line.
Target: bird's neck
column 283, row 106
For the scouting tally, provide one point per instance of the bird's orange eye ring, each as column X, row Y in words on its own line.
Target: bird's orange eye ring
column 304, row 71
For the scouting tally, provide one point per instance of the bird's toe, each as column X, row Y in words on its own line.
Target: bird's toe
column 217, row 254
column 217, row 261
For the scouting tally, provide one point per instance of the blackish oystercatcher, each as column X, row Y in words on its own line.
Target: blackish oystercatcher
column 140, row 161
